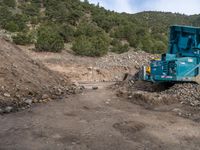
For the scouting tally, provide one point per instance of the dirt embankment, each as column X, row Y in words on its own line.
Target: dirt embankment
column 24, row 81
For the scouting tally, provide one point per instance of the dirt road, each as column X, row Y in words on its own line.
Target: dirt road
column 96, row 120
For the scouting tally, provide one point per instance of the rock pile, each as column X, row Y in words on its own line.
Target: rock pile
column 128, row 59
column 188, row 93
column 155, row 94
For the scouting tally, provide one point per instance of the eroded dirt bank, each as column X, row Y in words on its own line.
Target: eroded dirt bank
column 96, row 120
column 24, row 81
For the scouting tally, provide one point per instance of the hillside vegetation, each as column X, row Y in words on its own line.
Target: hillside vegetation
column 92, row 30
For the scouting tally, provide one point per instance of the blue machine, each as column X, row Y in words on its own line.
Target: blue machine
column 182, row 61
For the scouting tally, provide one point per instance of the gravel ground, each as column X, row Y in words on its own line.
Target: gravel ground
column 96, row 120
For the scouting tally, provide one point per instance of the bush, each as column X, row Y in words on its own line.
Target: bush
column 22, row 39
column 5, row 15
column 119, row 48
column 34, row 20
column 88, row 29
column 10, row 3
column 159, row 47
column 114, row 42
column 101, row 45
column 133, row 41
column 49, row 40
column 90, row 40
column 11, row 26
column 67, row 32
column 16, row 23
column 125, row 31
column 74, row 16
column 147, row 44
column 91, row 46
column 57, row 11
column 21, row 21
column 30, row 9
column 105, row 20
column 82, row 46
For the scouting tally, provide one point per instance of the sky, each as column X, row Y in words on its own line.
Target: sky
column 187, row 7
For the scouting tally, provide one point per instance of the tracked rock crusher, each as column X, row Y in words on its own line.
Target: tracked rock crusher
column 182, row 61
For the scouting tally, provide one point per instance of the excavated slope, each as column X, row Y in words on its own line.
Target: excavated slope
column 22, row 78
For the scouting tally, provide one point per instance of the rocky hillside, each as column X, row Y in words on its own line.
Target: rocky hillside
column 90, row 29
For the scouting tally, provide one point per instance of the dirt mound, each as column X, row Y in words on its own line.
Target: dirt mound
column 188, row 93
column 148, row 94
column 24, row 80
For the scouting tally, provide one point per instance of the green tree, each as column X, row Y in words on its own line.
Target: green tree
column 57, row 11
column 83, row 46
column 119, row 48
column 22, row 39
column 49, row 40
column 125, row 31
column 159, row 47
column 133, row 41
column 101, row 45
column 21, row 21
column 67, row 32
column 5, row 15
column 10, row 3
column 147, row 44
column 30, row 9
column 11, row 26
column 88, row 29
column 91, row 46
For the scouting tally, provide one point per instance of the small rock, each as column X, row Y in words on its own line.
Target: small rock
column 90, row 68
column 76, row 84
column 59, row 92
column 6, row 94
column 45, row 96
column 44, row 101
column 130, row 97
column 137, row 67
column 23, row 108
column 176, row 110
column 28, row 106
column 35, row 101
column 1, row 111
column 107, row 102
column 17, row 96
column 8, row 109
column 82, row 87
column 95, row 87
column 28, row 101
